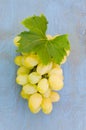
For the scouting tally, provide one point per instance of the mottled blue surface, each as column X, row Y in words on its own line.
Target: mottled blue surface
column 65, row 16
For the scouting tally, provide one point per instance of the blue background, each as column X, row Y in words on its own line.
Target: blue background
column 64, row 16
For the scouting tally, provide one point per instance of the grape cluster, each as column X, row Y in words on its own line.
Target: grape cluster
column 39, row 82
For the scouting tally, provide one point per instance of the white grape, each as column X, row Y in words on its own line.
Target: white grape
column 34, row 77
column 34, row 103
column 43, row 69
column 39, row 81
column 47, row 93
column 29, row 88
column 18, row 60
column 46, row 105
column 54, row 96
column 22, row 70
column 30, row 61
column 43, row 85
column 57, row 71
column 24, row 95
column 55, row 83
column 22, row 79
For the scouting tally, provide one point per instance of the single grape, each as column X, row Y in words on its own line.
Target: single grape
column 23, row 70
column 46, row 105
column 29, row 88
column 35, row 111
column 57, row 71
column 43, row 85
column 16, row 41
column 34, row 103
column 47, row 93
column 55, row 83
column 24, row 95
column 22, row 79
column 43, row 69
column 18, row 60
column 54, row 97
column 34, row 77
column 30, row 61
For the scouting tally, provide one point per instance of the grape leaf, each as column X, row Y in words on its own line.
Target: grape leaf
column 36, row 24
column 35, row 40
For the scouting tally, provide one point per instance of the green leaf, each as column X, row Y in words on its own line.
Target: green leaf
column 37, row 24
column 35, row 40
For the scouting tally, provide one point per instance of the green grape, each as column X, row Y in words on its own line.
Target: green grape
column 34, row 103
column 55, row 83
column 46, row 105
column 34, row 77
column 43, row 69
column 47, row 93
column 22, row 79
column 38, row 80
column 30, row 61
column 56, row 70
column 18, row 60
column 29, row 88
column 54, row 97
column 23, row 70
column 35, row 110
column 43, row 85
column 24, row 95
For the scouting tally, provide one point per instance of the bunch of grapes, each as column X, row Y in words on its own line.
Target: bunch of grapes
column 40, row 83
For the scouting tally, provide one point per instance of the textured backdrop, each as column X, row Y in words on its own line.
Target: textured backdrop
column 67, row 16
